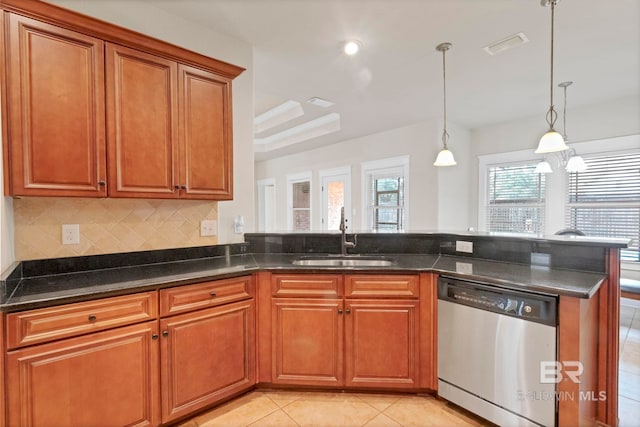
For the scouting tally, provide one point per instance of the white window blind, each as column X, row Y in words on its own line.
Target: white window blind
column 604, row 201
column 515, row 198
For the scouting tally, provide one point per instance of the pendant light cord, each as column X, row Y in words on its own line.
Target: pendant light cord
column 564, row 113
column 552, row 116
column 445, row 135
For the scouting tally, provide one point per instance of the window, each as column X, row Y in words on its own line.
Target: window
column 388, row 202
column 385, row 200
column 515, row 198
column 299, row 192
column 604, row 201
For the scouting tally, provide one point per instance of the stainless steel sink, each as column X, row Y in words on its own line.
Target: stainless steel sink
column 355, row 261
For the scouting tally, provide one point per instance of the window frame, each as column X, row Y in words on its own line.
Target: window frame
column 295, row 179
column 389, row 166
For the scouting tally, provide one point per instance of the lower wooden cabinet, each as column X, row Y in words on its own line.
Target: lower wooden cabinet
column 103, row 379
column 207, row 355
column 381, row 343
column 347, row 342
column 307, row 341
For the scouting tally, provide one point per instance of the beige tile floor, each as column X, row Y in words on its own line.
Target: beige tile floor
column 288, row 408
column 629, row 377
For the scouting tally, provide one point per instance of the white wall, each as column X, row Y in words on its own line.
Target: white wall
column 610, row 119
column 145, row 18
column 420, row 142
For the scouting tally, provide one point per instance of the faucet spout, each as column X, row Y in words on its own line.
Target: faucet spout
column 344, row 243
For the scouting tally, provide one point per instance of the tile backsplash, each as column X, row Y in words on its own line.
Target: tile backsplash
column 108, row 225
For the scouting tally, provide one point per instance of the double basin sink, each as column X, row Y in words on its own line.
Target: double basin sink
column 344, row 261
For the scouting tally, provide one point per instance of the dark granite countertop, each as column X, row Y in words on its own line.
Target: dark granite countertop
column 54, row 289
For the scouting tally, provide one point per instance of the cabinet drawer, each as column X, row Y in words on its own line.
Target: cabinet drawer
column 47, row 324
column 206, row 294
column 382, row 286
column 306, row 285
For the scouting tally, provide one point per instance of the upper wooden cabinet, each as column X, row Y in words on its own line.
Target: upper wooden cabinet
column 142, row 123
column 55, row 91
column 168, row 128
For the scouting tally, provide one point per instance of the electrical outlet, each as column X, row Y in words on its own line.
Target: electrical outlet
column 70, row 234
column 208, row 227
column 462, row 246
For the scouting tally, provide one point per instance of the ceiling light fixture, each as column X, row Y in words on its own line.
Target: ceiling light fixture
column 445, row 157
column 352, row 47
column 551, row 141
column 568, row 158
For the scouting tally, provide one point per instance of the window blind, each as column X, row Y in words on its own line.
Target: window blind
column 604, row 200
column 516, row 198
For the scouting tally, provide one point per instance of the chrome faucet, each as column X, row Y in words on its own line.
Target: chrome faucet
column 344, row 243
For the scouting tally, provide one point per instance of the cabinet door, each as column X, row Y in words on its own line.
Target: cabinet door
column 206, row 142
column 55, row 85
column 103, row 379
column 206, row 356
column 381, row 343
column 307, row 336
column 142, row 124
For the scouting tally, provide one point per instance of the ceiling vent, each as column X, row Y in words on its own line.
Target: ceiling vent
column 320, row 102
column 506, row 44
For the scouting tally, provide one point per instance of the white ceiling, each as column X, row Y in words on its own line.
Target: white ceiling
column 396, row 80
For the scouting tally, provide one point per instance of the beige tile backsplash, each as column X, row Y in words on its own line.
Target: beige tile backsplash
column 108, row 225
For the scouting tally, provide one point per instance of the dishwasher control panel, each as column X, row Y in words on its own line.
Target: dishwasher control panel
column 529, row 306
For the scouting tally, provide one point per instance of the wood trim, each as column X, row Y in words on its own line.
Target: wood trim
column 78, row 22
column 6, row 153
column 610, row 338
column 428, row 366
column 263, row 327
column 3, row 412
column 578, row 341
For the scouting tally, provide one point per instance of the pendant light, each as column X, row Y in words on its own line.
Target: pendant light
column 551, row 141
column 575, row 163
column 445, row 157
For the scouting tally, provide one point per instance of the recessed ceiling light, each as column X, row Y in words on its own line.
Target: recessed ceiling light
column 352, row 47
column 320, row 102
column 506, row 44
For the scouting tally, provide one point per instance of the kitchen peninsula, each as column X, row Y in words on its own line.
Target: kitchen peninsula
column 179, row 312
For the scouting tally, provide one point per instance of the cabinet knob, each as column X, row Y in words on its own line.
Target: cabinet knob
column 348, row 311
column 213, row 294
column 177, row 187
column 154, row 336
column 165, row 333
column 92, row 318
column 102, row 183
column 339, row 311
column 183, row 187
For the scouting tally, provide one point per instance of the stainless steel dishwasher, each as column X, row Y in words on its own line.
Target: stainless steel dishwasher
column 491, row 342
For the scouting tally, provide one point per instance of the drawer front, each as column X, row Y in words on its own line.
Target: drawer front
column 206, row 294
column 306, row 285
column 52, row 323
column 382, row 286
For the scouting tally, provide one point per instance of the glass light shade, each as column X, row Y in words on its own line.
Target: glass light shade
column 445, row 158
column 543, row 167
column 576, row 164
column 551, row 142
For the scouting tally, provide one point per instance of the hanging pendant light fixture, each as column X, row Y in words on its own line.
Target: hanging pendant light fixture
column 575, row 163
column 445, row 157
column 551, row 141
